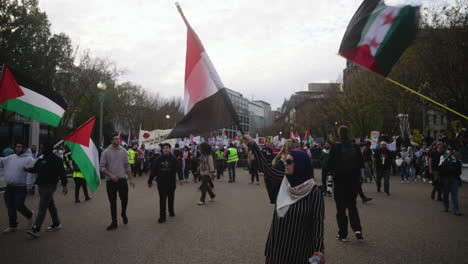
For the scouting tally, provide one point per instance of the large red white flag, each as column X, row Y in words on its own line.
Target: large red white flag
column 206, row 104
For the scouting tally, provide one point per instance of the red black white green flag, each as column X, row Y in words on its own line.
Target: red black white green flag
column 206, row 104
column 378, row 34
column 29, row 99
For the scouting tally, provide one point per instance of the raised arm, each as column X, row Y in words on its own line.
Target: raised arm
column 273, row 177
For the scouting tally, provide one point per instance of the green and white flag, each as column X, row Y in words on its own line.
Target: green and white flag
column 378, row 34
column 16, row 97
column 85, row 154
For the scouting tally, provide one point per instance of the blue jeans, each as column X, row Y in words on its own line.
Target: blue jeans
column 385, row 174
column 404, row 173
column 450, row 185
column 14, row 200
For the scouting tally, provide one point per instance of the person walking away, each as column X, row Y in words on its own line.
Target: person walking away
column 450, row 171
column 296, row 230
column 80, row 182
column 140, row 161
column 232, row 158
column 382, row 164
column 220, row 161
column 132, row 159
column 18, row 184
column 164, row 170
column 49, row 171
column 345, row 162
column 253, row 167
column 434, row 162
column 116, row 167
column 207, row 171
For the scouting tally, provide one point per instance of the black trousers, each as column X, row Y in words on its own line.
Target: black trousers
column 166, row 195
column 345, row 199
column 80, row 182
column 120, row 187
column 14, row 200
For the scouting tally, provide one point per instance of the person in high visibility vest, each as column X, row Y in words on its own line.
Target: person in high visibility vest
column 232, row 158
column 131, row 159
column 80, row 181
column 220, row 160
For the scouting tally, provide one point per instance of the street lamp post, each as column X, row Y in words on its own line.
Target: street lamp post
column 167, row 120
column 101, row 86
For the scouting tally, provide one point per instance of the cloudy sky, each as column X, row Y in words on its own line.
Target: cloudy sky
column 265, row 49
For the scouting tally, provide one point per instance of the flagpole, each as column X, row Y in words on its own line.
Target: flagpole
column 425, row 97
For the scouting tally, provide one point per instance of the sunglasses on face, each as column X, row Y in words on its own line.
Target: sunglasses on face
column 289, row 161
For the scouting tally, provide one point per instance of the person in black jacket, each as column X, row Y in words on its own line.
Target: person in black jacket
column 345, row 162
column 164, row 169
column 450, row 171
column 49, row 171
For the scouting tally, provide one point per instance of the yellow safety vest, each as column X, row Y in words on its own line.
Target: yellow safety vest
column 131, row 156
column 219, row 155
column 232, row 157
column 78, row 174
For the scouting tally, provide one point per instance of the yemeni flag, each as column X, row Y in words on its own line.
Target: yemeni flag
column 378, row 34
column 23, row 98
column 85, row 153
column 206, row 104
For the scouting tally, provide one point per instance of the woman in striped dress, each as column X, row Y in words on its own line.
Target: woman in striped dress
column 296, row 232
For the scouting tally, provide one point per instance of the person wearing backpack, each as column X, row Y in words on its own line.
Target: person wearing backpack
column 345, row 163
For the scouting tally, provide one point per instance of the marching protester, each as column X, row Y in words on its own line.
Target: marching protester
column 220, row 163
column 324, row 163
column 253, row 167
column 345, row 162
column 186, row 158
column 450, row 171
column 164, row 170
column 382, row 164
column 437, row 152
column 132, row 159
column 50, row 170
column 18, row 184
column 80, row 182
column 116, row 167
column 207, row 170
column 296, row 232
column 232, row 158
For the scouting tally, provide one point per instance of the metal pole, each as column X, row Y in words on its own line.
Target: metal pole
column 101, row 103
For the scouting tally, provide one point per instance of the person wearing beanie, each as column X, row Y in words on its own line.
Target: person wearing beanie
column 296, row 231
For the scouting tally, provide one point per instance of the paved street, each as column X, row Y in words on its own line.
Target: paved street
column 406, row 227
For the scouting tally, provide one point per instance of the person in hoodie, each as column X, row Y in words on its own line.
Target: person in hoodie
column 18, row 183
column 164, row 170
column 50, row 170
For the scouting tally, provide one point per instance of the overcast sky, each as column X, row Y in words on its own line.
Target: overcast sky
column 265, row 49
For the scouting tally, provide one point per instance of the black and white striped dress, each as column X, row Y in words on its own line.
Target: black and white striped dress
column 295, row 237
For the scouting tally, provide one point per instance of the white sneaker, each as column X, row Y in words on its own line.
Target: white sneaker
column 9, row 230
column 200, row 203
column 53, row 228
column 402, row 182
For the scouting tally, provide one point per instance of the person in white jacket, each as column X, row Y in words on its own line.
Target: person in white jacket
column 18, row 183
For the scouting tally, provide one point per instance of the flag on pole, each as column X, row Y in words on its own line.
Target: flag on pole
column 129, row 139
column 297, row 137
column 206, row 104
column 291, row 133
column 224, row 136
column 85, row 153
column 24, row 99
column 378, row 34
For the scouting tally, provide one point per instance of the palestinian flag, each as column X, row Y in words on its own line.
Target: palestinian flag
column 378, row 34
column 24, row 99
column 206, row 103
column 85, row 153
